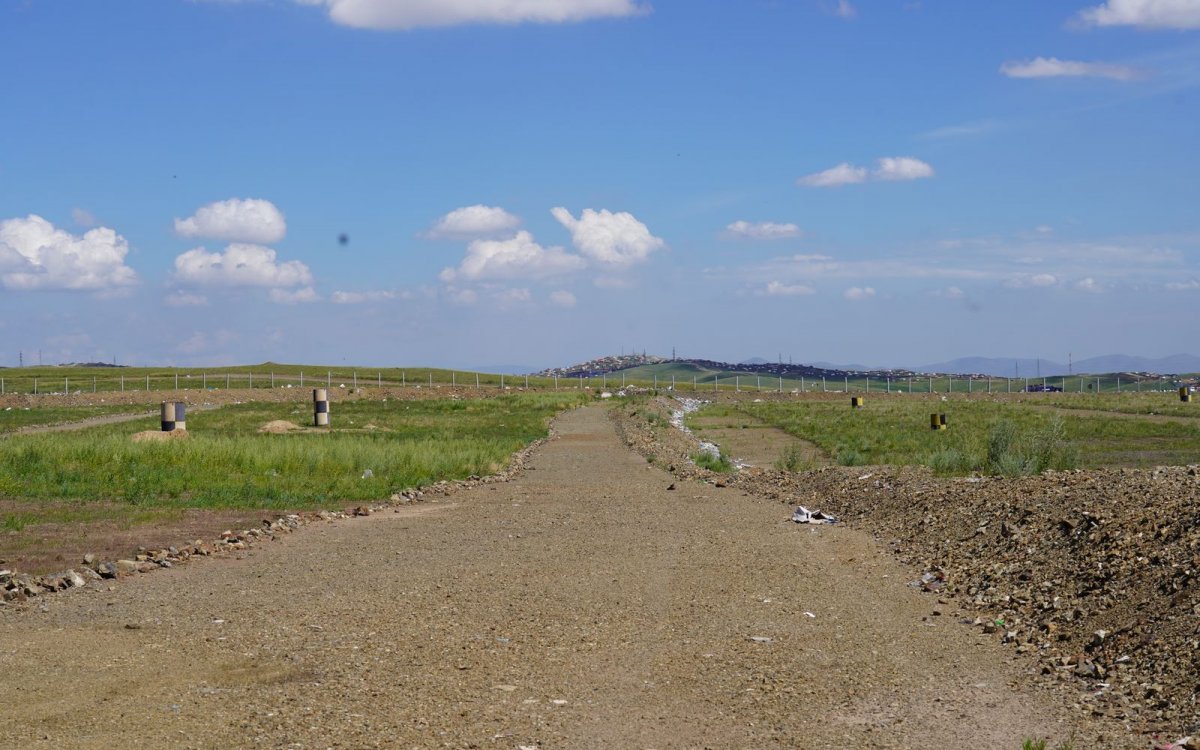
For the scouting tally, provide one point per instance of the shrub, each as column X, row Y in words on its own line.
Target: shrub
column 793, row 459
column 1011, row 453
column 718, row 463
column 847, row 456
column 949, row 461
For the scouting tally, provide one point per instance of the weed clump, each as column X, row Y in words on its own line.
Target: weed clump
column 713, row 461
column 793, row 459
column 1011, row 453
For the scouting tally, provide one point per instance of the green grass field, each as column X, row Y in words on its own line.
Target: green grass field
column 990, row 436
column 226, row 463
column 16, row 418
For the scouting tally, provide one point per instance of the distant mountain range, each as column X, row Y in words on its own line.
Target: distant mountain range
column 1024, row 367
column 993, row 366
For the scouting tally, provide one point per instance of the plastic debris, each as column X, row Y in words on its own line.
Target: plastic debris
column 803, row 515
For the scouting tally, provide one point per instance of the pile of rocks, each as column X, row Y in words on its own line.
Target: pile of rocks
column 1094, row 573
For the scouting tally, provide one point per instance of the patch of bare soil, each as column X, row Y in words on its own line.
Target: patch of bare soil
column 750, row 442
column 109, row 531
column 584, row 604
column 279, row 427
column 1095, row 574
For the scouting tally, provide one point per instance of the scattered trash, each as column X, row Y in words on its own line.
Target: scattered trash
column 934, row 580
column 760, row 639
column 803, row 515
column 867, row 475
column 810, row 614
column 368, row 474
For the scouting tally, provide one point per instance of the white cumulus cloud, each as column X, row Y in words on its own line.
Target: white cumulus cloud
column 1150, row 14
column 842, row 174
column 612, row 239
column 236, row 220
column 1089, row 285
column 358, row 298
column 1184, row 286
column 859, row 293
column 779, row 289
column 34, row 255
column 410, row 14
column 892, row 168
column 517, row 257
column 562, row 299
column 473, row 221
column 294, row 296
column 763, row 230
column 240, row 265
column 887, row 169
column 1052, row 67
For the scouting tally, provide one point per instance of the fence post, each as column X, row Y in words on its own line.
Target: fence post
column 147, row 383
column 251, row 380
column 476, row 380
column 354, row 374
column 328, row 379
column 272, row 380
column 35, row 386
column 379, row 379
column 302, row 378
column 67, row 386
column 122, row 383
column 176, row 381
column 93, row 384
column 226, row 381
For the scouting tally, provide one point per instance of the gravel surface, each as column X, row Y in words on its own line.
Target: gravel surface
column 583, row 604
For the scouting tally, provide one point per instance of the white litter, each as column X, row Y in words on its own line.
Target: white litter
column 803, row 515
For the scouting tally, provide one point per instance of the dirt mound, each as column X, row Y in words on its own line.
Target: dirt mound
column 279, row 427
column 158, row 436
column 1096, row 573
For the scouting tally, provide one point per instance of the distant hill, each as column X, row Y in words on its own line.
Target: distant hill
column 1024, row 367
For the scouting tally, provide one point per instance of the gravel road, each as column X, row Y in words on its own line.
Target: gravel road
column 581, row 605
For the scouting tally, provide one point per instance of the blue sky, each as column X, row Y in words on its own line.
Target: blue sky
column 477, row 182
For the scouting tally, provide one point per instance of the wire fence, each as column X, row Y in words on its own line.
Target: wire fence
column 80, row 381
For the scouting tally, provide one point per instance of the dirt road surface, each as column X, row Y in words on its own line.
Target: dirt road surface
column 582, row 605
